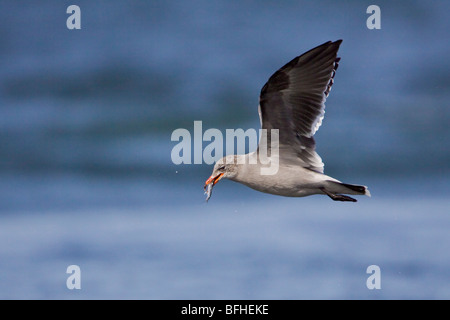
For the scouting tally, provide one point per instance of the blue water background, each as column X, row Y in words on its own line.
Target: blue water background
column 86, row 175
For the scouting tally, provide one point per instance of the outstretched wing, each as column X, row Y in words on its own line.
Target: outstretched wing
column 293, row 101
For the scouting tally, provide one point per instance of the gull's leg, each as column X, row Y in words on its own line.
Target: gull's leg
column 338, row 197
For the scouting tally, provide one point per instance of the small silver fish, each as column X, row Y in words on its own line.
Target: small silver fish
column 208, row 190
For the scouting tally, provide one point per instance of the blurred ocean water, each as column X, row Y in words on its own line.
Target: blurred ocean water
column 107, row 97
column 85, row 170
column 262, row 248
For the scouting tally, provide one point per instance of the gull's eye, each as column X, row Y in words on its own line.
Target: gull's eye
column 221, row 168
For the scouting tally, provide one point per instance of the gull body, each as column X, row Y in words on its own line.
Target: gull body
column 293, row 103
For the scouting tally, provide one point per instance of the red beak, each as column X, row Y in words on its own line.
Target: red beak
column 213, row 180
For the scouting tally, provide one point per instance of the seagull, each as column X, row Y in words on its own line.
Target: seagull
column 293, row 102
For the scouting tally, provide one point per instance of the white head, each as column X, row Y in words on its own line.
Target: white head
column 227, row 167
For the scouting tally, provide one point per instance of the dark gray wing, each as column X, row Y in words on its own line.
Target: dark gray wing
column 293, row 101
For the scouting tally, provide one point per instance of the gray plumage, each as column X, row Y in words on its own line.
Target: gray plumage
column 292, row 101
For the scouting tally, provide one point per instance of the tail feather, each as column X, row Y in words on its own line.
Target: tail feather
column 351, row 188
column 360, row 189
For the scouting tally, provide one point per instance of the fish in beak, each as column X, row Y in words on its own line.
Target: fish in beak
column 209, row 184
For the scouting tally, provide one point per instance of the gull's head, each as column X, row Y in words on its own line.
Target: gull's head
column 224, row 168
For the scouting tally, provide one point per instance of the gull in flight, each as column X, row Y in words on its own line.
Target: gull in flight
column 292, row 101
